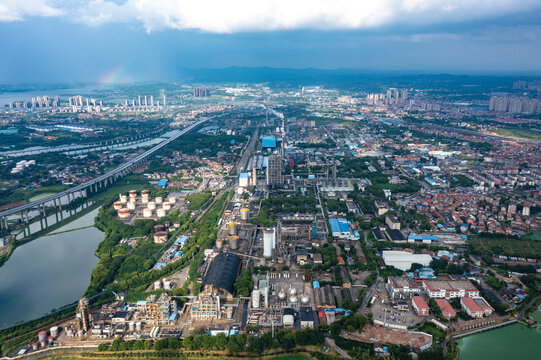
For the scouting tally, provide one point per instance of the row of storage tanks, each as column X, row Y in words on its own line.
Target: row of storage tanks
column 151, row 206
column 233, row 227
column 165, row 284
column 160, row 235
column 282, row 296
column 44, row 340
column 135, row 326
column 21, row 165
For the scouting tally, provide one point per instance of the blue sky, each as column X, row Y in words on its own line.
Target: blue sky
column 135, row 40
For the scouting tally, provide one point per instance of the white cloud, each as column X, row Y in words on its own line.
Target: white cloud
column 229, row 16
column 14, row 10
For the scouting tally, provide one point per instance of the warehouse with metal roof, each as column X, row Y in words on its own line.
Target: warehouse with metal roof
column 221, row 275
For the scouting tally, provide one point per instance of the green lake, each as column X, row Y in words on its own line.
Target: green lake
column 510, row 342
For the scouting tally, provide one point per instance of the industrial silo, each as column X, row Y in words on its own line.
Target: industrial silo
column 233, row 228
column 234, row 242
column 244, row 214
column 268, row 242
column 219, row 243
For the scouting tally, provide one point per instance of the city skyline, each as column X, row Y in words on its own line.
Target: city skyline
column 124, row 41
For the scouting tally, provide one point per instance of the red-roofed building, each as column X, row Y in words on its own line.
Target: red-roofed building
column 476, row 307
column 420, row 306
column 446, row 308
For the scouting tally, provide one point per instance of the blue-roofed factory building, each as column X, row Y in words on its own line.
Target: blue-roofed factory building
column 268, row 142
column 425, row 239
column 340, row 229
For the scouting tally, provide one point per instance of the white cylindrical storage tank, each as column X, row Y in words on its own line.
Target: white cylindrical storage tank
column 219, row 243
column 147, row 213
column 255, row 299
column 172, row 200
column 144, row 194
column 151, row 205
column 123, row 213
column 160, row 237
column 131, row 325
column 159, row 200
column 268, row 241
column 117, row 205
column 157, row 285
column 42, row 335
column 233, row 242
column 244, row 214
column 160, row 212
column 133, row 194
column 54, row 331
column 233, row 228
column 138, row 326
column 123, row 199
column 166, row 205
column 144, row 200
column 131, row 206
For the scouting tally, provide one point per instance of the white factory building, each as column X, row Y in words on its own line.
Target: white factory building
column 402, row 260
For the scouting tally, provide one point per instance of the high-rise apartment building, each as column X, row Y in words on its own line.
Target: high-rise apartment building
column 274, row 170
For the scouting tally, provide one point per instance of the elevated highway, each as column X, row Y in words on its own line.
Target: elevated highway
column 97, row 183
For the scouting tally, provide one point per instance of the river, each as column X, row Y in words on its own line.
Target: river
column 509, row 342
column 49, row 272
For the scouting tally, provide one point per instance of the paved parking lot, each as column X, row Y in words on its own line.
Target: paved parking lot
column 387, row 314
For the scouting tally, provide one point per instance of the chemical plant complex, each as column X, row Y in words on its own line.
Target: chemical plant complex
column 332, row 215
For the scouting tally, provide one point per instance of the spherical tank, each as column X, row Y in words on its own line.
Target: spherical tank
column 305, row 299
column 282, row 295
column 293, row 299
column 293, row 291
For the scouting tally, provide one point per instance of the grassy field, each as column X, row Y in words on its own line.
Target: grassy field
column 524, row 134
column 536, row 235
column 528, row 248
